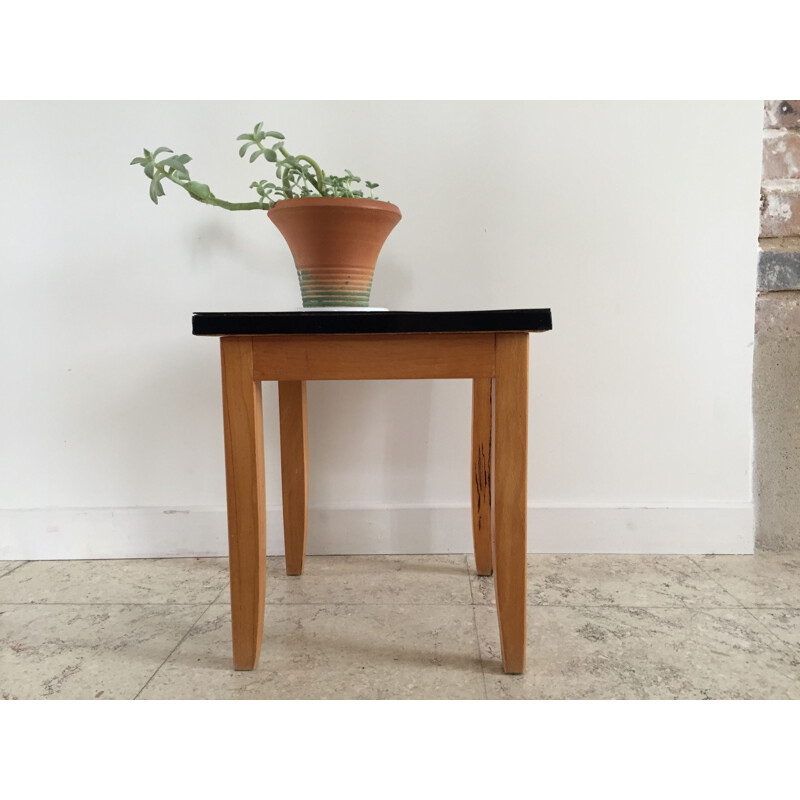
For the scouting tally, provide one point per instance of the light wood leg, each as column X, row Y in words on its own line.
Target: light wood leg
column 294, row 472
column 481, row 474
column 244, row 473
column 509, row 494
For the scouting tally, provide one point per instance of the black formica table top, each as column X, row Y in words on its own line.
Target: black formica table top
column 239, row 323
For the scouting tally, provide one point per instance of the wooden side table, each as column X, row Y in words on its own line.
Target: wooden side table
column 490, row 347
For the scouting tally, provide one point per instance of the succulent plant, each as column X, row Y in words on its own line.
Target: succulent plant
column 297, row 176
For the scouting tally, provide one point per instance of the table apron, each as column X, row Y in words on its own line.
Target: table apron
column 373, row 356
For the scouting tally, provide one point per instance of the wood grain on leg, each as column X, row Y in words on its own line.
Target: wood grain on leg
column 481, row 474
column 294, row 472
column 509, row 494
column 395, row 356
column 244, row 473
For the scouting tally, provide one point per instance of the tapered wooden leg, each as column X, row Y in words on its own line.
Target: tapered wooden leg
column 509, row 494
column 481, row 474
column 244, row 473
column 294, row 472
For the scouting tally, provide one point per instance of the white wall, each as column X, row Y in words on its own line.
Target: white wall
column 636, row 222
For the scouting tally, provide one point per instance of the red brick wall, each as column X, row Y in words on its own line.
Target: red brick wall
column 776, row 357
column 780, row 179
column 779, row 237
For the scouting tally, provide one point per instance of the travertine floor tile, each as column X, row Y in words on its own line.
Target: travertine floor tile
column 331, row 652
column 403, row 627
column 427, row 579
column 765, row 579
column 641, row 653
column 612, row 580
column 142, row 580
column 85, row 651
column 783, row 622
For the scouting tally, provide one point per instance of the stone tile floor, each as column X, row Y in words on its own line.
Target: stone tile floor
column 423, row 627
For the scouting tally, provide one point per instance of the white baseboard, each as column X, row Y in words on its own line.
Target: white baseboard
column 68, row 533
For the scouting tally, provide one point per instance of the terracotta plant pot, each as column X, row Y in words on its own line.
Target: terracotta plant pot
column 335, row 242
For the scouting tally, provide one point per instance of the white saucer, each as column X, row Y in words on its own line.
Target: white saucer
column 343, row 308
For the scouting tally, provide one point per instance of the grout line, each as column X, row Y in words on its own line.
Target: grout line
column 790, row 650
column 711, row 577
column 215, row 601
column 479, row 654
column 401, row 602
column 469, row 579
column 169, row 604
column 268, row 603
column 14, row 569
column 183, row 638
column 475, row 628
column 751, row 609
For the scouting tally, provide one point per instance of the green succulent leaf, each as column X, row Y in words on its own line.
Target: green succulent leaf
column 274, row 135
column 162, row 150
column 174, row 162
column 155, row 190
column 200, row 191
column 243, row 149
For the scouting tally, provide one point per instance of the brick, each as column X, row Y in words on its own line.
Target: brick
column 781, row 156
column 778, row 315
column 778, row 271
column 780, row 211
column 782, row 113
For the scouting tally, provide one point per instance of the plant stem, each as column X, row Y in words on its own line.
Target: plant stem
column 216, row 201
column 287, row 189
column 318, row 184
column 252, row 206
